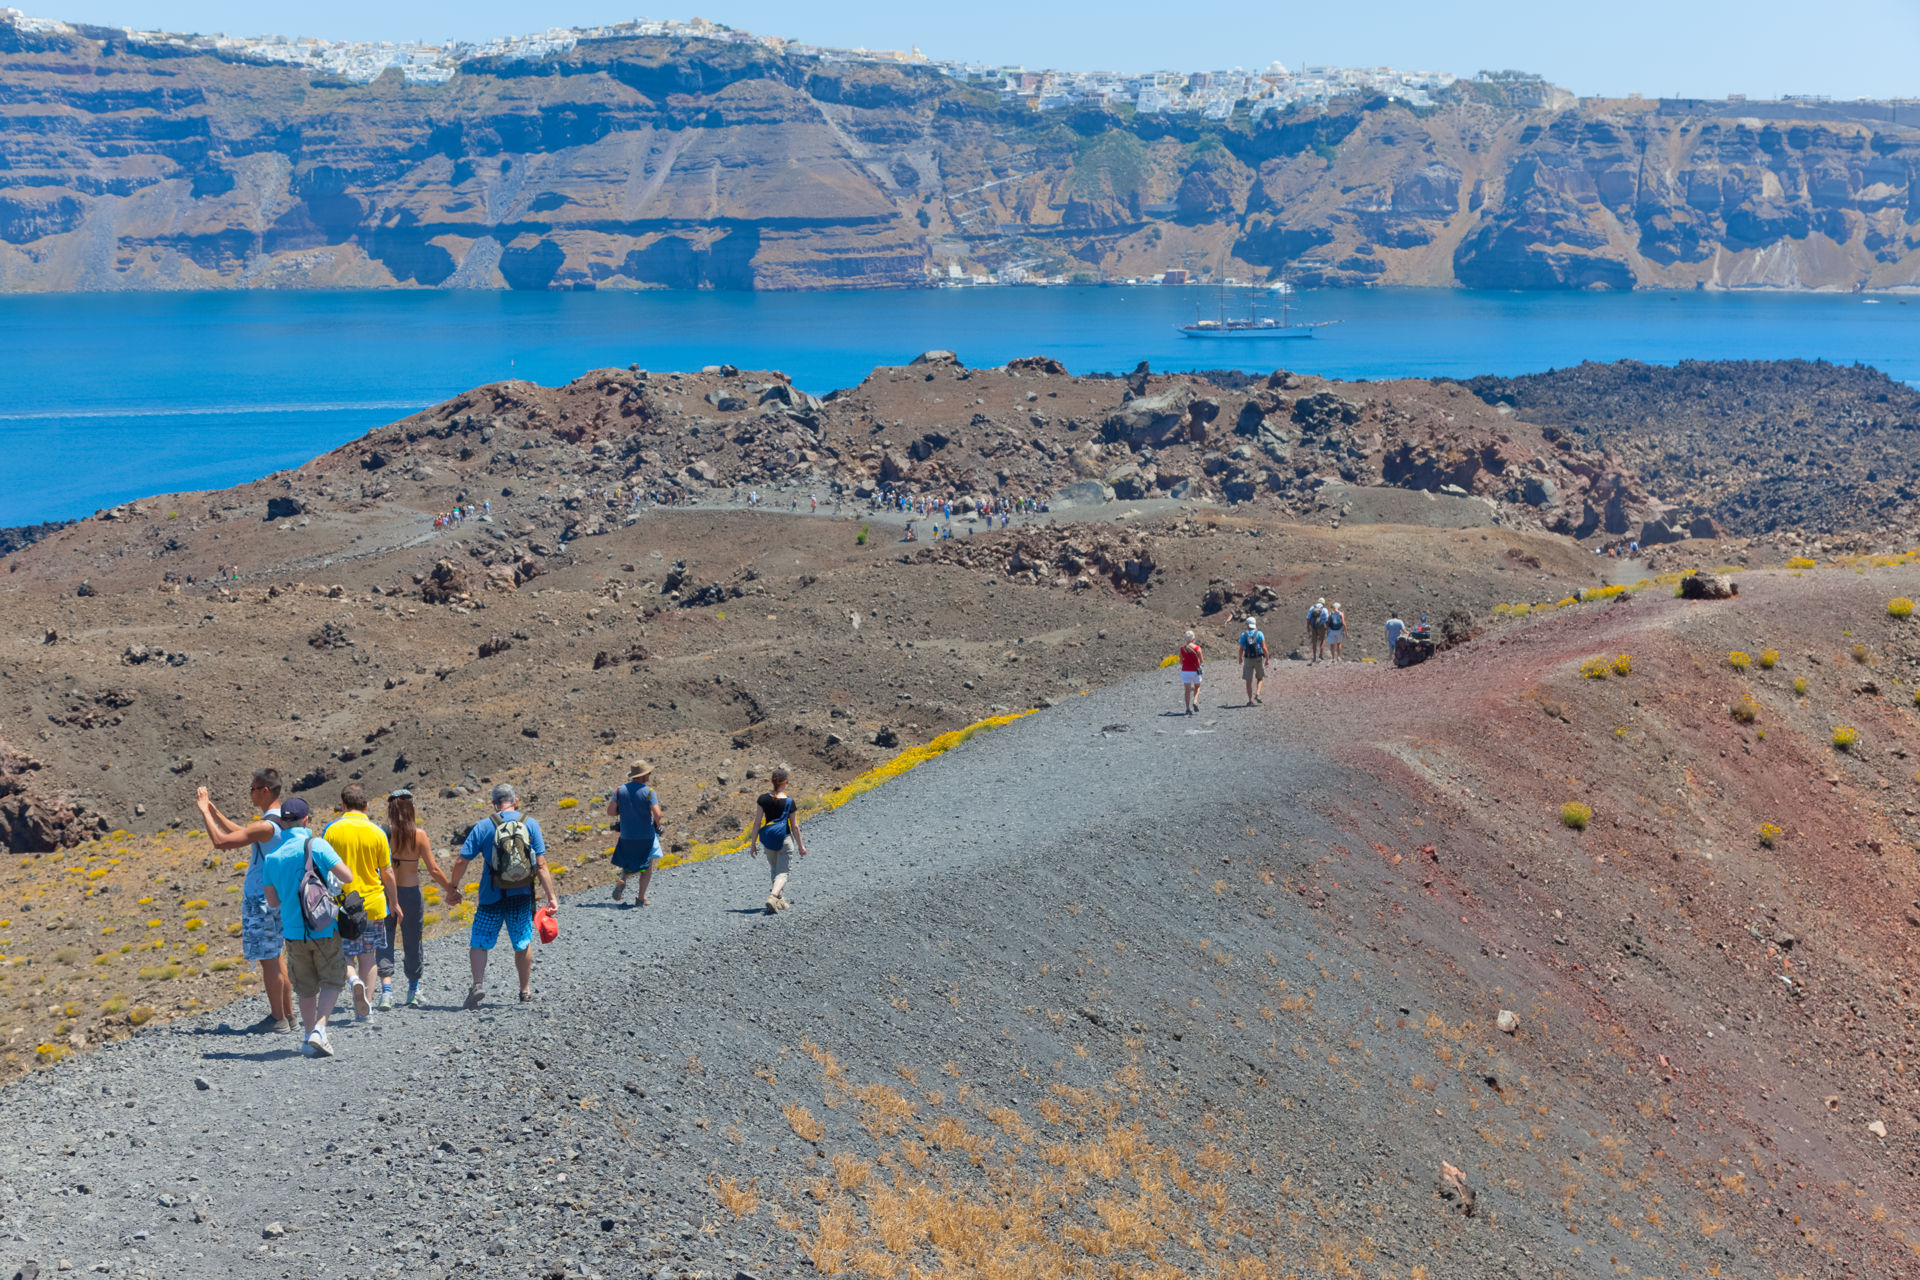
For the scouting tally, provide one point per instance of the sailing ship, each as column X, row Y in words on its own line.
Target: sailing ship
column 1253, row 324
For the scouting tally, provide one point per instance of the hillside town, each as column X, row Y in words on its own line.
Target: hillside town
column 1212, row 95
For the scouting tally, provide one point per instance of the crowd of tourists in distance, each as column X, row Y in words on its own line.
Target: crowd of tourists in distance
column 327, row 904
column 1326, row 635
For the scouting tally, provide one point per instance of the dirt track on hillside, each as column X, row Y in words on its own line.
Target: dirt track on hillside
column 1114, row 985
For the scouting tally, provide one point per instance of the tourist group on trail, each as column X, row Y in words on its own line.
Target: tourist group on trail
column 327, row 904
column 1326, row 640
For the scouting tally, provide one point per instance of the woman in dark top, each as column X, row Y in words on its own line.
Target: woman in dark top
column 637, row 805
column 776, row 833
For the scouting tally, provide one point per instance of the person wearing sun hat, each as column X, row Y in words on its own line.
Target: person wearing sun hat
column 637, row 805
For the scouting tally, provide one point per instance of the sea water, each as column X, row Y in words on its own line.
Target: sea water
column 108, row 397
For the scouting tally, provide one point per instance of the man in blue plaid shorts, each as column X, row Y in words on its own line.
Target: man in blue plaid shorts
column 497, row 908
column 260, row 939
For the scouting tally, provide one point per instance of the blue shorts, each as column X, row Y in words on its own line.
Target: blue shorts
column 260, row 937
column 515, row 913
column 633, row 855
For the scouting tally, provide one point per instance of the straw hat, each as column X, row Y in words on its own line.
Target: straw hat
column 639, row 769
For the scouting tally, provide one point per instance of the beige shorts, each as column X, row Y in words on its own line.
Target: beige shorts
column 315, row 963
column 1253, row 668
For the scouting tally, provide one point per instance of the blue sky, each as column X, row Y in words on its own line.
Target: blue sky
column 1763, row 48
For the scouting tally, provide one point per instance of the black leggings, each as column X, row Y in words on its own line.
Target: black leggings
column 412, row 907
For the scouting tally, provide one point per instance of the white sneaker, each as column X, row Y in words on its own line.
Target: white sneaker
column 318, row 1045
column 362, row 1007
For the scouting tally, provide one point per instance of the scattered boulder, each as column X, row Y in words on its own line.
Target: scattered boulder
column 446, row 583
column 1708, row 586
column 1083, row 493
column 886, row 737
column 283, row 508
column 1152, row 420
column 496, row 643
column 135, row 655
column 1453, row 1186
column 726, row 401
column 85, row 588
column 331, row 635
column 1036, row 364
column 1508, row 1021
column 935, row 357
column 633, row 654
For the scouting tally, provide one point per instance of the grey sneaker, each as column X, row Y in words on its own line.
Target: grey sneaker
column 386, row 999
column 283, row 1026
column 475, row 994
column 413, row 993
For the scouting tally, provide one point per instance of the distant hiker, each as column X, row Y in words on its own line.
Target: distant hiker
column 1190, row 674
column 1253, row 660
column 512, row 855
column 408, row 840
column 1395, row 628
column 637, row 805
column 776, row 833
column 1336, row 630
column 304, row 877
column 363, row 846
column 1317, row 629
column 260, row 939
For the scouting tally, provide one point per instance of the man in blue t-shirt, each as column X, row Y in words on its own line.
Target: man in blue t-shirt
column 316, row 964
column 497, row 907
column 1253, row 660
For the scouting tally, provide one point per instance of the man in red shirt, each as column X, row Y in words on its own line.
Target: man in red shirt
column 1190, row 674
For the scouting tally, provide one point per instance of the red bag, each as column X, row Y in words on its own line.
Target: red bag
column 545, row 925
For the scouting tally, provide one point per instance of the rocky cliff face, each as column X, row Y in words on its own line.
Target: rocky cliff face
column 653, row 163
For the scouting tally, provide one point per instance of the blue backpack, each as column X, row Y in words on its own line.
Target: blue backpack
column 1251, row 642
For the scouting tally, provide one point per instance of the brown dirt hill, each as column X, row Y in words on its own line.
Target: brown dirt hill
column 1787, row 447
column 648, row 163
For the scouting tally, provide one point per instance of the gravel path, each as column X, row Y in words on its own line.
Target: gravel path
column 1104, row 915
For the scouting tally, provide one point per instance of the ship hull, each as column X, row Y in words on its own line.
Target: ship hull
column 1246, row 334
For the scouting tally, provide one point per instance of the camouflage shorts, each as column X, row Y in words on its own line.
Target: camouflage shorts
column 260, row 930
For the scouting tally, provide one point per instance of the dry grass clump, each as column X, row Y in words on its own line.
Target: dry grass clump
column 1844, row 736
column 1623, row 664
column 1594, row 669
column 1095, row 1201
column 1768, row 835
column 1739, row 659
column 801, row 1120
column 1746, row 711
column 1800, row 686
column 1800, row 562
column 1576, row 815
column 1769, row 657
column 1900, row 607
column 1602, row 593
column 1862, row 655
column 735, row 1199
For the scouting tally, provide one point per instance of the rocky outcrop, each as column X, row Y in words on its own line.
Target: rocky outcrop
column 1742, row 447
column 32, row 818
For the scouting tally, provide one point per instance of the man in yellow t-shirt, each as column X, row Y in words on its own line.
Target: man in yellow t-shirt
column 364, row 848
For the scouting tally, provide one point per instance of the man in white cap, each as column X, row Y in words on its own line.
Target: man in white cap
column 1253, row 660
